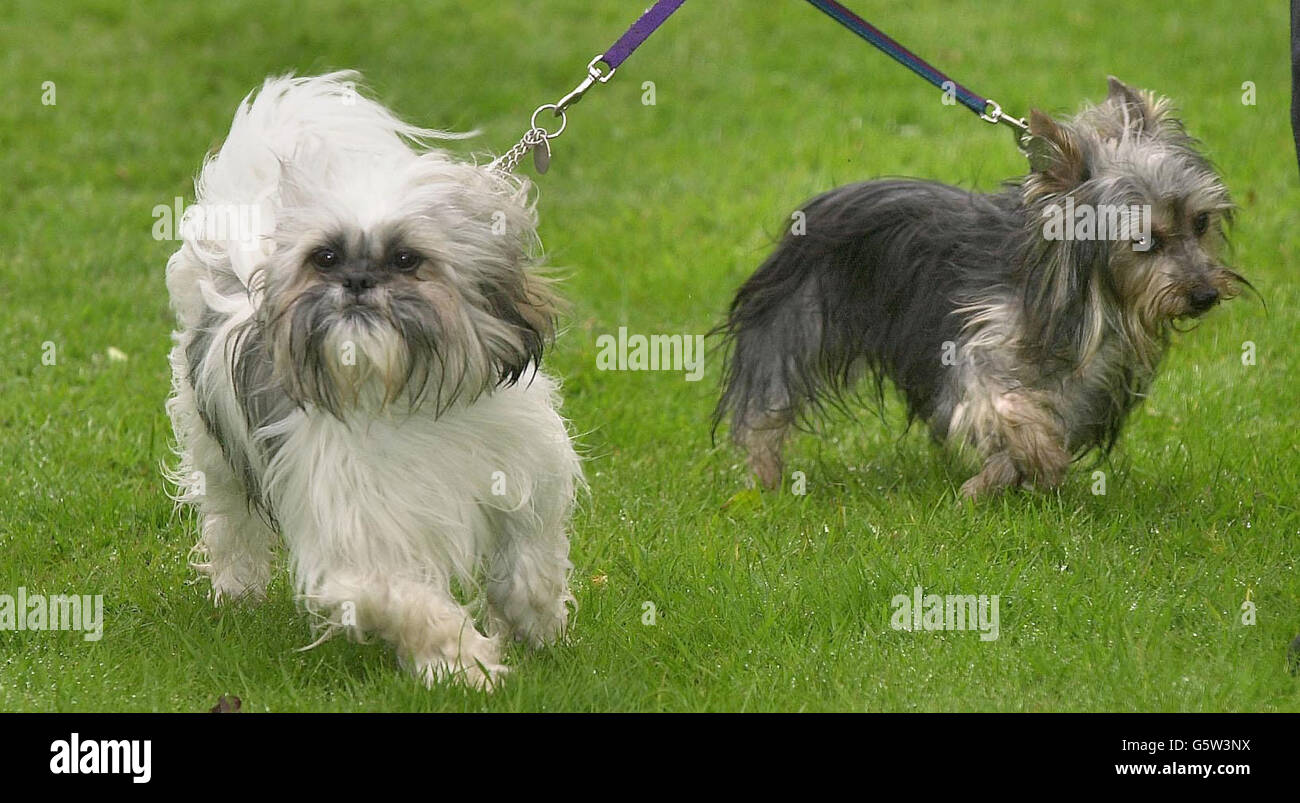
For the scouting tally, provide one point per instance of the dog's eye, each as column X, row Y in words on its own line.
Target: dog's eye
column 1155, row 243
column 1201, row 222
column 324, row 258
column 405, row 260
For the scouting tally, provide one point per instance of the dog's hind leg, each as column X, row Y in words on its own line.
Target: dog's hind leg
column 777, row 367
column 762, row 433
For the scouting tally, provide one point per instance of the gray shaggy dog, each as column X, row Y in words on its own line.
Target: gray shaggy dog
column 1017, row 323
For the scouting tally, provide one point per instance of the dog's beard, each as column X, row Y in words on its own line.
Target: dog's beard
column 385, row 348
column 1074, row 292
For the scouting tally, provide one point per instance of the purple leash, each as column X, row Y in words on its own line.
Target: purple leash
column 537, row 139
column 640, row 31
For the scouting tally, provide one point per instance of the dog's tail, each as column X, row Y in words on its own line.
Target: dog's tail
column 783, row 359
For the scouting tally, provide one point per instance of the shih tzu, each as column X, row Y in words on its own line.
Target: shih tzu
column 1018, row 323
column 356, row 373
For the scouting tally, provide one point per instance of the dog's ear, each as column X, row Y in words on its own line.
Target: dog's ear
column 529, row 307
column 1136, row 110
column 1055, row 155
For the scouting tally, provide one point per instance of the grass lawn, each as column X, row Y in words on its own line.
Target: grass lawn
column 1131, row 600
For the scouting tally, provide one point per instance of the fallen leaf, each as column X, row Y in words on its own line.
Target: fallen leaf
column 226, row 704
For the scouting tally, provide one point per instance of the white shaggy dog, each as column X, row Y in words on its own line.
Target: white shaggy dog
column 356, row 371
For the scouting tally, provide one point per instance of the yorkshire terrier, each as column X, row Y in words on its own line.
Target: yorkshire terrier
column 1018, row 322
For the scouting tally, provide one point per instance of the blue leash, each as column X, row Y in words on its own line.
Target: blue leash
column 988, row 110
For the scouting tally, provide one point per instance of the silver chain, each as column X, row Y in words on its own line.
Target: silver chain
column 508, row 161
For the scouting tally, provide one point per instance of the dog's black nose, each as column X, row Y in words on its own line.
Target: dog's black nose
column 358, row 282
column 1202, row 298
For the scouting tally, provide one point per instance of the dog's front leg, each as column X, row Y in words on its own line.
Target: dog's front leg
column 528, row 572
column 234, row 552
column 1024, row 445
column 235, row 546
column 434, row 635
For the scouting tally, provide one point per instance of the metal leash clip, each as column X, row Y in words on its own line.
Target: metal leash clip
column 537, row 138
column 1020, row 127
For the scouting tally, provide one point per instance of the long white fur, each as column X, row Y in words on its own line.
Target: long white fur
column 385, row 511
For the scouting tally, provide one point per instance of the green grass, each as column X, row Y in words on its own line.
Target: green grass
column 1127, row 601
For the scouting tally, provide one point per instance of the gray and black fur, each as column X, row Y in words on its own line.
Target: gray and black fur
column 1031, row 350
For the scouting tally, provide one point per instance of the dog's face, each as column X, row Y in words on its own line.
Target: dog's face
column 1130, row 156
column 404, row 282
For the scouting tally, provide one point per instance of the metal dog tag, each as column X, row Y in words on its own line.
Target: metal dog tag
column 542, row 156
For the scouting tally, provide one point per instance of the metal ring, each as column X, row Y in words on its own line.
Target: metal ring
column 564, row 120
column 995, row 115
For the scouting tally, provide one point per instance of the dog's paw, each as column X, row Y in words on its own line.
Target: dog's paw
column 972, row 489
column 479, row 676
column 538, row 620
column 545, row 628
column 231, row 585
column 979, row 488
column 998, row 474
column 766, row 470
column 235, row 592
